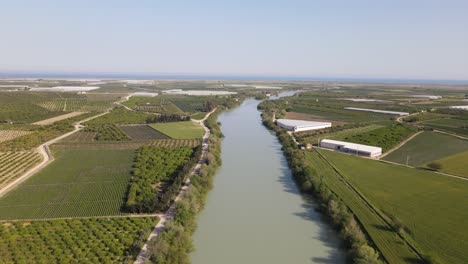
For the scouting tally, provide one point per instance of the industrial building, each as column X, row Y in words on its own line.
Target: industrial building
column 301, row 125
column 351, row 148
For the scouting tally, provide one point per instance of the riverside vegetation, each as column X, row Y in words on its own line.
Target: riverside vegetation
column 174, row 244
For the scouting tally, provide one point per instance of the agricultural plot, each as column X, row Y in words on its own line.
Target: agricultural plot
column 426, row 147
column 175, row 143
column 120, row 115
column 52, row 120
column 94, row 186
column 199, row 116
column 115, row 240
column 156, row 178
column 338, row 135
column 456, row 164
column 6, row 135
column 14, row 164
column 427, row 204
column 189, row 104
column 457, row 126
column 391, row 246
column 385, row 137
column 180, row 130
column 142, row 132
column 81, row 137
column 109, row 132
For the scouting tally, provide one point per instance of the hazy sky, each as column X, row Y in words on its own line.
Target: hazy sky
column 350, row 38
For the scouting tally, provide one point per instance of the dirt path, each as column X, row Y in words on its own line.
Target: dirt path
column 47, row 157
column 169, row 214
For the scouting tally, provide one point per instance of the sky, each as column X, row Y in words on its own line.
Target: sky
column 402, row 39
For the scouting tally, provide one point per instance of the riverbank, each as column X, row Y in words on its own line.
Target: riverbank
column 338, row 213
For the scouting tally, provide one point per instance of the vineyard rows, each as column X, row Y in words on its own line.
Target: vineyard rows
column 14, row 164
column 115, row 240
column 175, row 143
column 6, row 135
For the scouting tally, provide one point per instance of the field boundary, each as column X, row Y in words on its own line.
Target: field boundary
column 400, row 144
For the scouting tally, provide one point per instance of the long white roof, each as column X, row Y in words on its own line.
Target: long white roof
column 377, row 111
column 353, row 146
column 301, row 123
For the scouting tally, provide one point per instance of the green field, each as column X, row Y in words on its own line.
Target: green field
column 429, row 205
column 115, row 240
column 78, row 183
column 199, row 116
column 120, row 115
column 457, row 126
column 340, row 135
column 180, row 130
column 426, row 147
column 456, row 164
column 391, row 246
column 385, row 137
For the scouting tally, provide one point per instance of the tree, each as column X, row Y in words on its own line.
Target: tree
column 435, row 166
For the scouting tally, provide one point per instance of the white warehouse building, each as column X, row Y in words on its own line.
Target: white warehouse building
column 351, row 148
column 301, row 125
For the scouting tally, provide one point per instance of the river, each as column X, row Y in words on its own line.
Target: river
column 255, row 213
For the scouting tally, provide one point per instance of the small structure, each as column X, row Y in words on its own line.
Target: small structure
column 301, row 125
column 351, row 148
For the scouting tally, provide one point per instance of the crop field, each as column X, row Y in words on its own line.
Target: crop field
column 52, row 120
column 456, row 164
column 94, row 186
column 391, row 246
column 161, row 143
column 421, row 149
column 14, row 164
column 180, row 130
column 429, row 205
column 120, row 115
column 107, row 132
column 142, row 132
column 457, row 126
column 339, row 135
column 199, row 116
column 188, row 104
column 385, row 137
column 6, row 135
column 81, row 137
column 115, row 240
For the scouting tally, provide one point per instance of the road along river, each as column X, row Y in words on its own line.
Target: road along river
column 255, row 213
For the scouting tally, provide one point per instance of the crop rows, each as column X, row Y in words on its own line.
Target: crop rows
column 94, row 186
column 143, row 132
column 13, row 164
column 6, row 135
column 175, row 143
column 80, row 137
column 114, row 240
column 107, row 132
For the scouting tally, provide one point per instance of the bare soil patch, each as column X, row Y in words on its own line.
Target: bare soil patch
column 57, row 118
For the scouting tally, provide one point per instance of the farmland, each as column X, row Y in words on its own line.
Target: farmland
column 107, row 132
column 457, row 126
column 13, row 164
column 455, row 164
column 52, row 120
column 142, row 132
column 313, row 137
column 180, row 130
column 420, row 150
column 114, row 240
column 94, row 186
column 120, row 115
column 6, row 135
column 385, row 137
column 420, row 200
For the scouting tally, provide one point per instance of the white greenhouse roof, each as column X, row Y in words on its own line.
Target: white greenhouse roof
column 353, row 146
column 377, row 111
column 301, row 123
column 462, row 107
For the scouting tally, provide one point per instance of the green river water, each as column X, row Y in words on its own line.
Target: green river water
column 255, row 213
